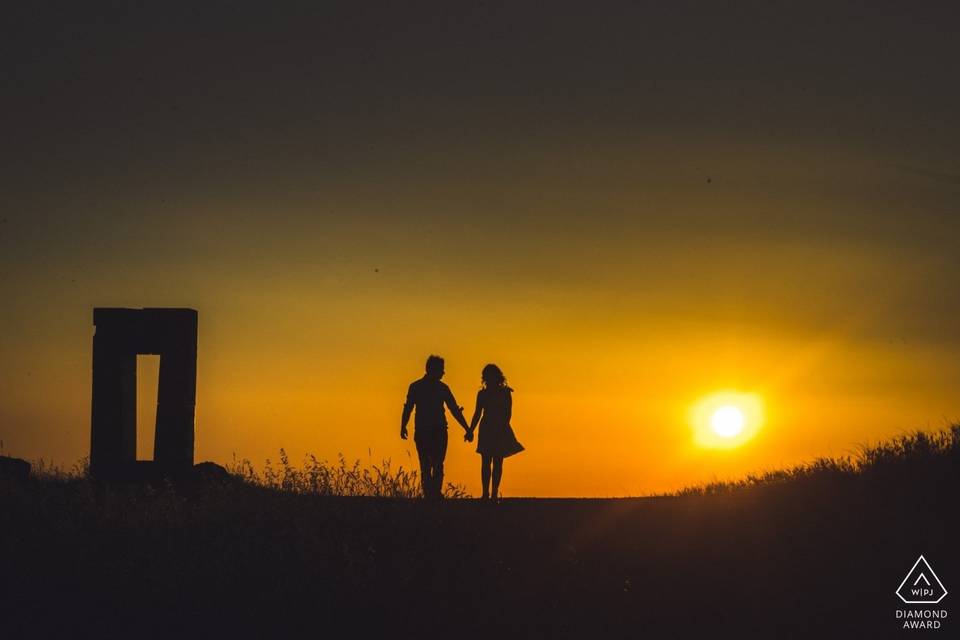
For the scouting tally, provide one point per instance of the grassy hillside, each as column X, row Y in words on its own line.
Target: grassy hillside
column 814, row 550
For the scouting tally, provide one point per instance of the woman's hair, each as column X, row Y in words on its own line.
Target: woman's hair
column 492, row 377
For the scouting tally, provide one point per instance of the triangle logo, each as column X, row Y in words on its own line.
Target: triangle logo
column 921, row 586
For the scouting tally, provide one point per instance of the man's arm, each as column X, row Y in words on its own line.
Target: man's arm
column 456, row 410
column 407, row 410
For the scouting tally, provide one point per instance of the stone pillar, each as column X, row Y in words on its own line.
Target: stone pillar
column 177, row 393
column 113, row 428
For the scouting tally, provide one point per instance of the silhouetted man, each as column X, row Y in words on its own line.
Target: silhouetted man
column 429, row 396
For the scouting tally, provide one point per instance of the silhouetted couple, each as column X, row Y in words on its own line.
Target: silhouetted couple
column 496, row 440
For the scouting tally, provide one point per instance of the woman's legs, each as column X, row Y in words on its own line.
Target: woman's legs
column 485, row 475
column 497, row 474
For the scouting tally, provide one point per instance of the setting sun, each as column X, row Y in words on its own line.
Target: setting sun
column 726, row 419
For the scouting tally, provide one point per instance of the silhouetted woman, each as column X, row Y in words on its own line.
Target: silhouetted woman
column 496, row 440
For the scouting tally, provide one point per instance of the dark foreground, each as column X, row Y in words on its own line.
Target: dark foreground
column 813, row 559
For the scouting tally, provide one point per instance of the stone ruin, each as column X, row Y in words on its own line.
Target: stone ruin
column 120, row 336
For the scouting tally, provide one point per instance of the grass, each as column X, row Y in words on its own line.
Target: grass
column 318, row 477
column 337, row 549
column 908, row 455
column 911, row 455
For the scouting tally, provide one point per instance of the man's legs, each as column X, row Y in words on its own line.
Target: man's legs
column 431, row 449
column 425, row 471
column 441, row 454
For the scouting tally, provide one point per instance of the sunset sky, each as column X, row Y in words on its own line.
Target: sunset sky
column 627, row 206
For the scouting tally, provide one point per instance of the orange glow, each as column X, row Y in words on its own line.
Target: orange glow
column 309, row 335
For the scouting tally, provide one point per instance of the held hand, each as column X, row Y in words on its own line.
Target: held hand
column 468, row 436
column 403, row 433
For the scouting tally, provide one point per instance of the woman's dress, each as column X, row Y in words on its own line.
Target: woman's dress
column 495, row 437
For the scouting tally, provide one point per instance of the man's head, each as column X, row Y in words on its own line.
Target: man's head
column 435, row 367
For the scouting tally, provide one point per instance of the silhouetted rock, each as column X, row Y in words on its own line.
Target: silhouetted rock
column 148, row 472
column 14, row 468
column 210, row 471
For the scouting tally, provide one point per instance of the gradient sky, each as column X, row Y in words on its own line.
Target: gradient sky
column 627, row 206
